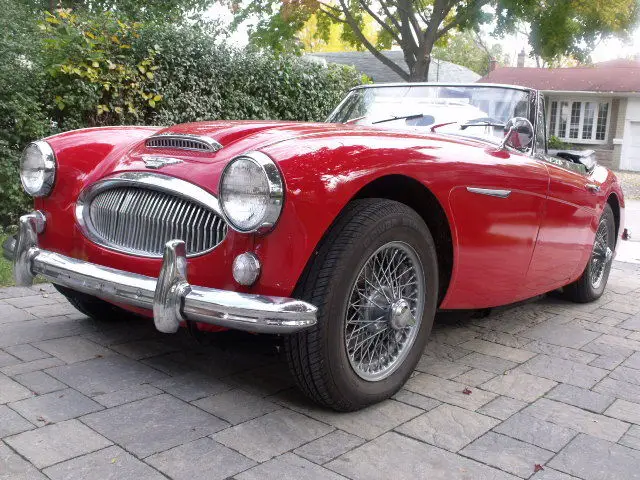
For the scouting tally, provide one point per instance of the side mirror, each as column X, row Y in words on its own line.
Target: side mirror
column 518, row 134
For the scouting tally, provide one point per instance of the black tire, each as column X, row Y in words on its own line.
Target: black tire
column 317, row 356
column 583, row 289
column 94, row 307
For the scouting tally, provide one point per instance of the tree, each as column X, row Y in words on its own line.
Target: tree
column 564, row 28
column 172, row 10
column 311, row 40
column 558, row 26
column 470, row 50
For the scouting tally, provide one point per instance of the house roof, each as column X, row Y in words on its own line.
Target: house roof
column 611, row 76
column 365, row 62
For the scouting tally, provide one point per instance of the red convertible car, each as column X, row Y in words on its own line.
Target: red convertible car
column 345, row 236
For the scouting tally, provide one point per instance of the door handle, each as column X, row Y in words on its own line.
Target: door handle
column 592, row 187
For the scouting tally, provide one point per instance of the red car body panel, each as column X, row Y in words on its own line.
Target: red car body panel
column 503, row 250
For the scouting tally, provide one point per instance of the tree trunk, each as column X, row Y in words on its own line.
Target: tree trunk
column 420, row 70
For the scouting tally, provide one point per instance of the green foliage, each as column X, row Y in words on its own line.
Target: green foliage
column 558, row 27
column 95, row 77
column 72, row 70
column 568, row 28
column 464, row 49
column 202, row 79
column 21, row 111
column 147, row 10
column 555, row 143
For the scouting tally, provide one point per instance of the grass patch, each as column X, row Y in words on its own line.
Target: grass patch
column 6, row 268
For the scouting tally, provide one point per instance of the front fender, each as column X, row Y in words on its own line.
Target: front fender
column 322, row 175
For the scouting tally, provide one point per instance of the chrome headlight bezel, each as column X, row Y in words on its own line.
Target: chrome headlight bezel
column 48, row 168
column 274, row 197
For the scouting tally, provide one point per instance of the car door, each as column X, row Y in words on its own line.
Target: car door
column 568, row 225
column 498, row 207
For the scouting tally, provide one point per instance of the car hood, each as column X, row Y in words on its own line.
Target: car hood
column 204, row 167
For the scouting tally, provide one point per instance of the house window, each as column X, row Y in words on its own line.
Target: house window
column 579, row 121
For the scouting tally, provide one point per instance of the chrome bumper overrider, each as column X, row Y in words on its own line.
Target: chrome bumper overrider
column 170, row 296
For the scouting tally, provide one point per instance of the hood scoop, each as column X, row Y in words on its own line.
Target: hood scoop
column 182, row 141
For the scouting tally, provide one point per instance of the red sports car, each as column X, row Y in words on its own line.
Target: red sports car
column 345, row 236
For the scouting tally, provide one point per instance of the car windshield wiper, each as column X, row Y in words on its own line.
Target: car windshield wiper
column 483, row 123
column 402, row 117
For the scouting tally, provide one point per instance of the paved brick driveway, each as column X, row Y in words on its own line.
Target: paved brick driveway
column 548, row 383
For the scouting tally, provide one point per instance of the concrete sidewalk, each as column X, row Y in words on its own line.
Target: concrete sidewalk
column 546, row 390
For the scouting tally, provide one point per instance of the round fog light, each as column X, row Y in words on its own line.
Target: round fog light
column 246, row 268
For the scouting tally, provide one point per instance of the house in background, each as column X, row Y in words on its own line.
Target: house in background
column 595, row 107
column 365, row 62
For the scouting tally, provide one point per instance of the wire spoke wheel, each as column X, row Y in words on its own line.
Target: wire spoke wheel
column 384, row 312
column 600, row 256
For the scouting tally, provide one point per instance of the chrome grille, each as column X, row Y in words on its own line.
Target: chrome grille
column 141, row 220
column 183, row 142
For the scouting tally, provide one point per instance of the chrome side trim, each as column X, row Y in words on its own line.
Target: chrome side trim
column 172, row 299
column 183, row 141
column 150, row 180
column 492, row 192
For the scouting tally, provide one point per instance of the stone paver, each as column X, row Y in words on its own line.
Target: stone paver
column 11, row 423
column 56, row 443
column 580, row 397
column 546, row 382
column 11, row 391
column 538, row 432
column 272, row 434
column 596, row 459
column 565, row 371
column 289, row 467
column 111, row 463
column 14, row 467
column 449, row 391
column 236, row 406
column 448, row 427
column 55, row 407
column 577, row 419
column 154, row 424
column 507, row 454
column 203, row 458
column 520, row 386
column 105, row 375
column 388, row 457
column 329, row 447
column 563, row 335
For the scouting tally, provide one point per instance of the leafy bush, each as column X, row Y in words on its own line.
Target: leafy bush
column 202, row 79
column 21, row 110
column 72, row 70
column 556, row 144
column 95, row 77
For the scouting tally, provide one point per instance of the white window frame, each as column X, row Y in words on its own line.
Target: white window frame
column 583, row 101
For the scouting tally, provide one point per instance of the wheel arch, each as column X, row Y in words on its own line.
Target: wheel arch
column 417, row 196
column 614, row 203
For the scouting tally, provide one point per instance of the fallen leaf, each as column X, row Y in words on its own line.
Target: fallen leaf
column 466, row 391
column 537, row 467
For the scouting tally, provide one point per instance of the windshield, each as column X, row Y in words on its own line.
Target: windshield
column 471, row 110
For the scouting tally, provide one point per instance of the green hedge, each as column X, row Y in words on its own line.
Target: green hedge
column 68, row 70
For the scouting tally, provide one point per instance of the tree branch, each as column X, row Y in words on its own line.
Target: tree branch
column 459, row 19
column 382, row 23
column 368, row 45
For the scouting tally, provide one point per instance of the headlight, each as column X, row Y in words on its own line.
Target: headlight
column 251, row 193
column 38, row 169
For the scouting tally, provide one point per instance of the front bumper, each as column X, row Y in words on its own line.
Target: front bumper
column 170, row 296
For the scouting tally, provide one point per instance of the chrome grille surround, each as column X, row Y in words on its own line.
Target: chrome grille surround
column 138, row 212
column 183, row 141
